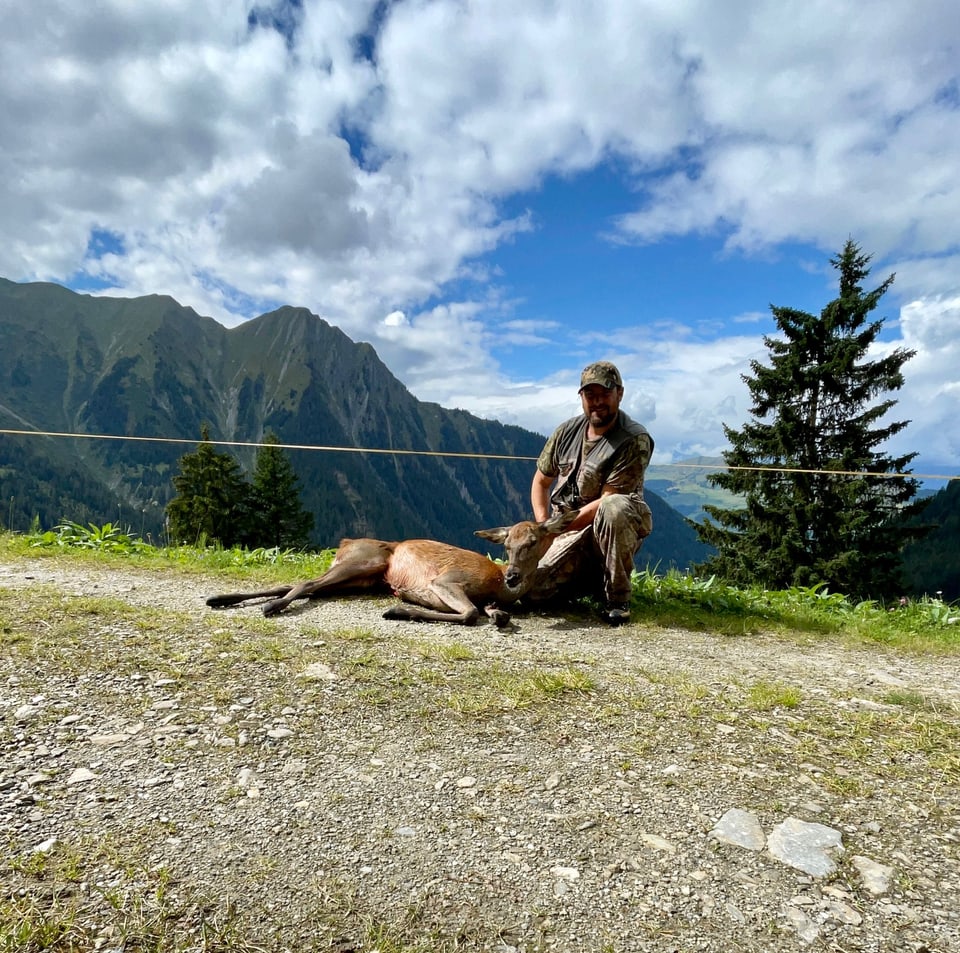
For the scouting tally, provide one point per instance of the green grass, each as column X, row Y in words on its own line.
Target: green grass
column 766, row 696
column 93, row 895
column 491, row 689
column 682, row 600
column 96, row 893
column 445, row 652
column 270, row 564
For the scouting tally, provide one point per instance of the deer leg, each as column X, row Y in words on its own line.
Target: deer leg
column 234, row 598
column 359, row 568
column 359, row 565
column 458, row 607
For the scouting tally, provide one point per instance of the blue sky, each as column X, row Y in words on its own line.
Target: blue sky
column 494, row 194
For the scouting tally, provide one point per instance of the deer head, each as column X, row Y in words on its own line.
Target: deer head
column 525, row 544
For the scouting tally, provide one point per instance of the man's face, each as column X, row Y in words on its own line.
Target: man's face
column 600, row 404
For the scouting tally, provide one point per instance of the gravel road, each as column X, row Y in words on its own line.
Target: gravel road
column 331, row 780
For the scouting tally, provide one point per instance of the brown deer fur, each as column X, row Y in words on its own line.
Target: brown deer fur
column 436, row 581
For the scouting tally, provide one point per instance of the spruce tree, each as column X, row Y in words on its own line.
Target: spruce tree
column 815, row 409
column 277, row 517
column 212, row 501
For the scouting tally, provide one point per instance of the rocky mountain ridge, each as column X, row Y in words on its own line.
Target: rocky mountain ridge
column 150, row 368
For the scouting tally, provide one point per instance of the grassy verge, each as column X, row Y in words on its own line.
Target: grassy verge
column 679, row 599
column 670, row 599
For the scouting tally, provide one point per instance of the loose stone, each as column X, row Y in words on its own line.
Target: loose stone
column 740, row 828
column 805, row 846
column 876, row 878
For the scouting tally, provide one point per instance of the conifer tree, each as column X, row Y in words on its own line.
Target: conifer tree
column 815, row 408
column 277, row 517
column 212, row 501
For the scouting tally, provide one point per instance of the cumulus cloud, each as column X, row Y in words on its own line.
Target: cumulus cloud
column 309, row 201
column 930, row 398
column 358, row 158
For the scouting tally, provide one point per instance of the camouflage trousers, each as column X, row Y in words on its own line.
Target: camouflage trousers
column 598, row 559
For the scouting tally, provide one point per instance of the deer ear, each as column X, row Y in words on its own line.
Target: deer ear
column 497, row 535
column 557, row 524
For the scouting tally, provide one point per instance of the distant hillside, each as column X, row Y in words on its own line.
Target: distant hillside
column 685, row 486
column 149, row 367
column 932, row 564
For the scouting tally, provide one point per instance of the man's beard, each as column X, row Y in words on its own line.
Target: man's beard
column 601, row 418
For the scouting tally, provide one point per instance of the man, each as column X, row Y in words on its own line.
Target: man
column 594, row 462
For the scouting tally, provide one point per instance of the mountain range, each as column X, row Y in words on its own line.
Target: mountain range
column 104, row 384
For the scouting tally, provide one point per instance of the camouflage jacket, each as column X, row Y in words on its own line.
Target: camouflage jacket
column 617, row 459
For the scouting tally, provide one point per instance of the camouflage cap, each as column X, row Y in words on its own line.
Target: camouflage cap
column 603, row 373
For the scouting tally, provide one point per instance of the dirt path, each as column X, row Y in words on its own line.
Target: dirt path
column 332, row 780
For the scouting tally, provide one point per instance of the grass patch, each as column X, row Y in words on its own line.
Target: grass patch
column 90, row 895
column 890, row 745
column 353, row 635
column 98, row 634
column 687, row 601
column 907, row 699
column 767, row 696
column 111, row 544
column 95, row 894
column 494, row 689
column 444, row 651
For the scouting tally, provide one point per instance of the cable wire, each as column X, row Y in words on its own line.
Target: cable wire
column 451, row 453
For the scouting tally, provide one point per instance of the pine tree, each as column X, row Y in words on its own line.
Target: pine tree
column 277, row 517
column 212, row 501
column 814, row 410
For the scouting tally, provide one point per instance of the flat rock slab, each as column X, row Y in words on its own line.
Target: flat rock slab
column 741, row 829
column 811, row 848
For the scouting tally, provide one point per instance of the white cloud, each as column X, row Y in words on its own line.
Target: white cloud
column 239, row 167
column 930, row 399
column 818, row 121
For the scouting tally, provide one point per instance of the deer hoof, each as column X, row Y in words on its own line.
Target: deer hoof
column 500, row 618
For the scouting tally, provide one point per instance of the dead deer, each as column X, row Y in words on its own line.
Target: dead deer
column 436, row 581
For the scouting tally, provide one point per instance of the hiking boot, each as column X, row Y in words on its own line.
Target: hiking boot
column 617, row 613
